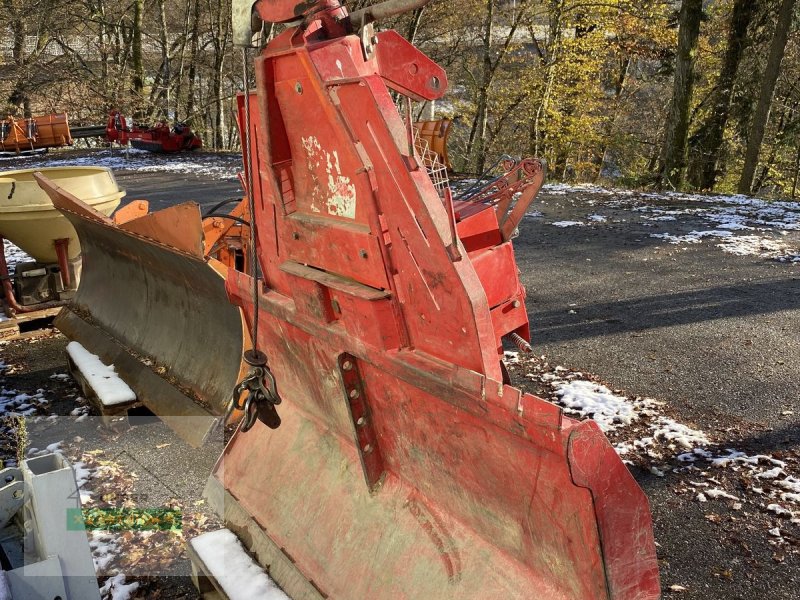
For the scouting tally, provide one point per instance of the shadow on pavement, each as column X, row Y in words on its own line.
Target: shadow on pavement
column 651, row 312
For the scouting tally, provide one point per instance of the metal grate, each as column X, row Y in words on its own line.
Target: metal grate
column 430, row 160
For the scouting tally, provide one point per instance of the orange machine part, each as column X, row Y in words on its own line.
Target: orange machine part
column 35, row 133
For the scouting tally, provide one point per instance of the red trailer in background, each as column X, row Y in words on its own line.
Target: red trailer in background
column 160, row 138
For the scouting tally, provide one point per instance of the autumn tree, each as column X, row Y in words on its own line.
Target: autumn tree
column 706, row 143
column 673, row 153
column 766, row 94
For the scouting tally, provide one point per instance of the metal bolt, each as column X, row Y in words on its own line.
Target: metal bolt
column 362, row 253
column 354, row 394
column 347, row 365
column 361, row 421
column 298, row 88
column 367, row 448
column 517, row 303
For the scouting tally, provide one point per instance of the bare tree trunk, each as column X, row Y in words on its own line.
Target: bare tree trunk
column 619, row 87
column 193, row 48
column 478, row 133
column 707, row 143
column 761, row 115
column 166, row 76
column 673, row 155
column 137, row 77
column 182, row 61
column 536, row 133
column 18, row 98
column 787, row 116
column 413, row 28
column 221, row 39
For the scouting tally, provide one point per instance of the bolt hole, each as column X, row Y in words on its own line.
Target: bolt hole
column 298, row 87
column 435, row 83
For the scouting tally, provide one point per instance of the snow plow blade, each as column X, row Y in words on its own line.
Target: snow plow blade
column 403, row 467
column 150, row 304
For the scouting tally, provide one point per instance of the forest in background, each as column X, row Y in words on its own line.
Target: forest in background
column 689, row 95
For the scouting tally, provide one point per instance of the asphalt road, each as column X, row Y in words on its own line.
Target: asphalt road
column 712, row 334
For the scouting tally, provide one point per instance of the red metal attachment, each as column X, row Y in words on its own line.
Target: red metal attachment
column 375, row 286
column 161, row 138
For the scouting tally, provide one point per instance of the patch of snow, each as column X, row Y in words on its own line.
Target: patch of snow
column 82, row 473
column 115, row 588
column 678, row 434
column 718, row 493
column 240, row 577
column 771, row 474
column 104, row 549
column 753, row 245
column 792, row 484
column 108, row 386
column 589, row 399
column 14, row 255
column 597, row 218
column 564, row 224
column 779, row 510
column 693, row 237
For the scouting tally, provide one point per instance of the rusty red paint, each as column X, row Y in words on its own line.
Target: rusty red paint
column 486, row 492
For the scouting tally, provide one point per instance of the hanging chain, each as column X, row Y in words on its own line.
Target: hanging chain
column 259, row 383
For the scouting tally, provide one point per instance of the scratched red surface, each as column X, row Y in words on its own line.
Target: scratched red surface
column 485, row 492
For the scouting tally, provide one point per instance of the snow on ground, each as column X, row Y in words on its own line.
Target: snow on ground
column 104, row 548
column 586, row 398
column 14, row 255
column 115, row 588
column 15, row 403
column 643, row 434
column 207, row 164
column 236, row 572
column 105, row 382
column 740, row 225
column 564, row 224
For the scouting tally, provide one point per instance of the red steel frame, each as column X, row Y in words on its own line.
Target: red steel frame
column 404, row 467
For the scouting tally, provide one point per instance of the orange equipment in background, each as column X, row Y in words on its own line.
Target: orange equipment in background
column 435, row 134
column 34, row 133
